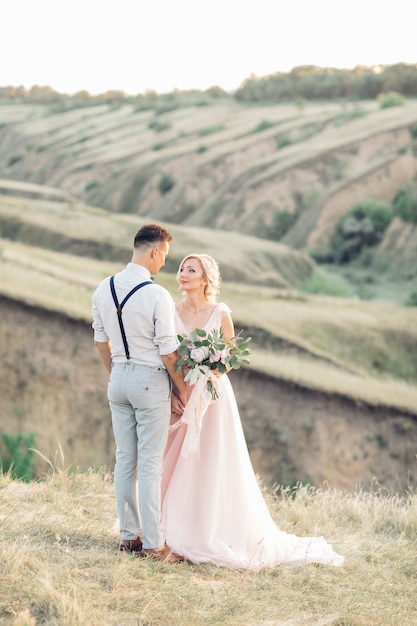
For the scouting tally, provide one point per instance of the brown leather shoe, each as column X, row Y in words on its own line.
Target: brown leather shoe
column 162, row 554
column 131, row 545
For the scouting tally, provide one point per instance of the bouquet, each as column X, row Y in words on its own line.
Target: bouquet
column 202, row 353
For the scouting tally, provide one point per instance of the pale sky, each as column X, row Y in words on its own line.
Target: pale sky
column 135, row 45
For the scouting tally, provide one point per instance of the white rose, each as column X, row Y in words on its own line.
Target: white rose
column 225, row 353
column 199, row 354
column 215, row 356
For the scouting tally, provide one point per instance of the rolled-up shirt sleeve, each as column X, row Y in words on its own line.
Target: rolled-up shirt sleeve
column 98, row 327
column 165, row 334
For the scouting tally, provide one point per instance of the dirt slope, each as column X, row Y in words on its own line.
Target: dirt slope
column 54, row 385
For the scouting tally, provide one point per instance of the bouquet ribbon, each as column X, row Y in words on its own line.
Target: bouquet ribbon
column 194, row 412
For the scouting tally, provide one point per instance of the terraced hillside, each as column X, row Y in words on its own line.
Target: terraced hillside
column 225, row 166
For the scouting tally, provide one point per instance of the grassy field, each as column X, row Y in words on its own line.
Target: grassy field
column 362, row 349
column 87, row 231
column 61, row 566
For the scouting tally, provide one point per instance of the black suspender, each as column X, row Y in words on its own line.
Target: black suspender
column 119, row 308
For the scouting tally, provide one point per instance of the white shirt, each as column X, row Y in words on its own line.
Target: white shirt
column 148, row 318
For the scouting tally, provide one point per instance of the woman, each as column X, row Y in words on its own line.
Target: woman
column 213, row 510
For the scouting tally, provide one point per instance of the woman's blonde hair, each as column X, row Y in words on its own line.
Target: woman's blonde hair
column 211, row 273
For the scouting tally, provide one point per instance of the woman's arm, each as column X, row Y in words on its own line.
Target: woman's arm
column 227, row 325
column 228, row 333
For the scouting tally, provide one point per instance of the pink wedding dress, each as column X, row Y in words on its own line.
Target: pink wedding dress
column 213, row 510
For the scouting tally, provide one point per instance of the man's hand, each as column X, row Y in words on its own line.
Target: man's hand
column 105, row 354
column 180, row 388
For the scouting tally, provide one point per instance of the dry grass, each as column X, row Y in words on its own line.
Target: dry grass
column 338, row 138
column 108, row 135
column 115, row 148
column 323, row 376
column 49, row 224
column 60, row 564
column 20, row 188
column 51, row 280
column 356, row 348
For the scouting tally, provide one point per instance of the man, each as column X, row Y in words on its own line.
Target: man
column 137, row 343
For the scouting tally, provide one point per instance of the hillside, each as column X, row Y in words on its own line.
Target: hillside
column 319, row 364
column 216, row 175
column 227, row 165
column 62, row 224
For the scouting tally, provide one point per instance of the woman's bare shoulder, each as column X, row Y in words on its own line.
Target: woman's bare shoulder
column 224, row 308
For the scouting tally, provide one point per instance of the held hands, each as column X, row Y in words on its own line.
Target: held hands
column 178, row 404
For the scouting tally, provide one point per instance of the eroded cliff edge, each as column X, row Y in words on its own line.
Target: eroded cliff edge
column 53, row 384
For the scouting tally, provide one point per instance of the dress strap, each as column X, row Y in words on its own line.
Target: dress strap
column 119, row 308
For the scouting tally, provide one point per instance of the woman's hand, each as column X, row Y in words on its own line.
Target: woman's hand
column 218, row 373
column 177, row 406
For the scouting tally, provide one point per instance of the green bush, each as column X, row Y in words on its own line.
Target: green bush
column 382, row 441
column 281, row 223
column 166, row 108
column 390, row 99
column 405, row 204
column 165, row 184
column 17, row 455
column 377, row 211
column 14, row 159
column 91, row 185
column 209, row 130
column 362, row 227
column 264, row 125
column 283, row 140
column 413, row 130
column 158, row 127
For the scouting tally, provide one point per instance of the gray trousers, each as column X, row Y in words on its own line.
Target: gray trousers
column 139, row 399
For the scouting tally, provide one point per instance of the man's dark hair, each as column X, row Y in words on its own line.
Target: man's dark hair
column 151, row 234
